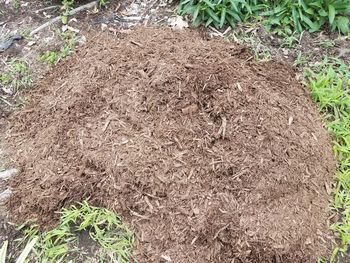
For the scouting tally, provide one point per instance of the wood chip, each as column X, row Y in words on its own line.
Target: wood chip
column 193, row 108
column 136, row 43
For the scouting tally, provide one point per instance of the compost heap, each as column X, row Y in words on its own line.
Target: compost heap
column 207, row 155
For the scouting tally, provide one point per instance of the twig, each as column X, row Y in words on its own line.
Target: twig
column 47, row 8
column 224, row 124
column 222, row 130
column 138, row 215
column 216, row 31
column 4, row 100
column 56, row 19
column 220, row 230
column 136, row 43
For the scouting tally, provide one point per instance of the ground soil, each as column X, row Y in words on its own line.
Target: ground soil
column 207, row 155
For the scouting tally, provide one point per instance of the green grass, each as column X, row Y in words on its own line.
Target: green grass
column 327, row 43
column 16, row 4
column 283, row 17
column 329, row 83
column 15, row 76
column 53, row 57
column 301, row 60
column 110, row 238
column 292, row 41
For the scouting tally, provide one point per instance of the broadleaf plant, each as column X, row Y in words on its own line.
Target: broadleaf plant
column 282, row 17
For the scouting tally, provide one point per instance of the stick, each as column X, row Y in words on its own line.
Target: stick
column 136, row 43
column 56, row 19
column 47, row 8
column 220, row 230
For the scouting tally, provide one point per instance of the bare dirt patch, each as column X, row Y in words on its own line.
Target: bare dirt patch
column 209, row 156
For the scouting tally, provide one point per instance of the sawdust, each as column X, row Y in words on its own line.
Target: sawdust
column 207, row 155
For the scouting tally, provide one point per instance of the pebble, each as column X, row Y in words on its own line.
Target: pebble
column 5, row 195
column 4, row 175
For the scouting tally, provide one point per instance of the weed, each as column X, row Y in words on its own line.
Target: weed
column 282, row 17
column 102, row 3
column 329, row 83
column 112, row 239
column 25, row 33
column 68, row 37
column 53, row 57
column 322, row 260
column 50, row 57
column 16, row 4
column 5, row 79
column 66, row 7
column 293, row 40
column 301, row 60
column 261, row 52
column 327, row 43
column 16, row 76
column 19, row 66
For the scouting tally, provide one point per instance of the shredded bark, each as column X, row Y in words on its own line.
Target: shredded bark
column 206, row 154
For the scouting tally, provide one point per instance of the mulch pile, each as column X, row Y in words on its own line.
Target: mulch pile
column 207, row 155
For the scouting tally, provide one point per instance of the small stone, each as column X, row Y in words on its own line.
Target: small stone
column 31, row 43
column 4, row 175
column 308, row 241
column 103, row 27
column 81, row 40
column 134, row 9
column 166, row 258
column 5, row 195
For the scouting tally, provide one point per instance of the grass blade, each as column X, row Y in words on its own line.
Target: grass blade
column 3, row 252
column 223, row 17
column 22, row 258
column 331, row 14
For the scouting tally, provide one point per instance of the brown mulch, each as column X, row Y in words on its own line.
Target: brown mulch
column 207, row 155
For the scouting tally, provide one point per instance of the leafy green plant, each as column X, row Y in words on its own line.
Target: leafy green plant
column 329, row 83
column 111, row 237
column 288, row 16
column 15, row 76
column 5, row 79
column 261, row 52
column 16, row 4
column 50, row 57
column 102, row 3
column 66, row 6
column 53, row 57
column 301, row 60
column 327, row 43
column 220, row 12
column 292, row 41
column 281, row 16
